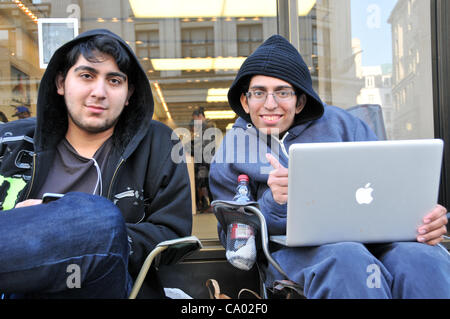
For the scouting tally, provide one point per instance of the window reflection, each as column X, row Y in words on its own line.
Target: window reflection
column 373, row 52
column 358, row 52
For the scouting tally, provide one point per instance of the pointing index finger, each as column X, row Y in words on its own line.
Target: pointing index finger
column 273, row 161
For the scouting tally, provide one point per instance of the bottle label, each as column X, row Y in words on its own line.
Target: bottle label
column 242, row 195
column 241, row 231
column 243, row 190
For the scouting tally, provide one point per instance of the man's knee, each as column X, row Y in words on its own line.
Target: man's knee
column 403, row 255
column 94, row 209
column 348, row 270
column 95, row 219
column 419, row 270
column 350, row 254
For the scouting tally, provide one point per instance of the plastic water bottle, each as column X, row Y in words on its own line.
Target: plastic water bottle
column 241, row 246
column 242, row 191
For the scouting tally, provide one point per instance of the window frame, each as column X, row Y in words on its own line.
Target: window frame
column 440, row 24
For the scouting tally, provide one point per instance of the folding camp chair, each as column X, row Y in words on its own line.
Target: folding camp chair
column 372, row 115
column 228, row 212
column 166, row 253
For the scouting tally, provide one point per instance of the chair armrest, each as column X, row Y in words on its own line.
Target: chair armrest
column 166, row 253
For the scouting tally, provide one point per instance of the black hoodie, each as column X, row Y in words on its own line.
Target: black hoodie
column 151, row 190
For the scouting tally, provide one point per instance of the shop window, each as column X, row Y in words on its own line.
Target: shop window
column 147, row 44
column 249, row 38
column 147, row 48
column 197, row 42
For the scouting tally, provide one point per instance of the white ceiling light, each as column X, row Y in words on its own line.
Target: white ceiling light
column 208, row 8
column 217, row 95
column 162, row 100
column 305, row 6
column 220, row 115
column 202, row 8
column 197, row 64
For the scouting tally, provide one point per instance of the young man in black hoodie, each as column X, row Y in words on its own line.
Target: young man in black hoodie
column 93, row 140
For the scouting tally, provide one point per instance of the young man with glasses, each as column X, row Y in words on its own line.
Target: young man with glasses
column 277, row 107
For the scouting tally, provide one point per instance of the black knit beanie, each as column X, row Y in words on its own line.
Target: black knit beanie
column 278, row 58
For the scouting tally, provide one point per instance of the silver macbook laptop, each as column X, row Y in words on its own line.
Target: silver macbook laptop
column 366, row 192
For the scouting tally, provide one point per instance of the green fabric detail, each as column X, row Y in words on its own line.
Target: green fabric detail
column 16, row 185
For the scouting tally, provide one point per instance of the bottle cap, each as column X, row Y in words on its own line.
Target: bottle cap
column 243, row 177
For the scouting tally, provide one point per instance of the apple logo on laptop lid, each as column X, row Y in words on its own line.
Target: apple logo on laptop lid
column 364, row 194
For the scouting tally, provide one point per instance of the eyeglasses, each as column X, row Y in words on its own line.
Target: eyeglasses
column 259, row 96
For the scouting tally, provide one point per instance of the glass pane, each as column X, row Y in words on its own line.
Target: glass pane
column 191, row 51
column 200, row 48
column 373, row 52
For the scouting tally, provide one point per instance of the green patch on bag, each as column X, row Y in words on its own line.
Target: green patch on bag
column 16, row 185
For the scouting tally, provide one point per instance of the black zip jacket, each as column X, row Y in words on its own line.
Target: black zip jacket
column 151, row 190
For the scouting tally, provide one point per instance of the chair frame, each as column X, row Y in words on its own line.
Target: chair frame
column 189, row 243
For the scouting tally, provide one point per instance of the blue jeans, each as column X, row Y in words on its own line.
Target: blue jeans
column 75, row 247
column 354, row 270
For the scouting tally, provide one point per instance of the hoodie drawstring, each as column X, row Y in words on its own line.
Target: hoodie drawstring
column 99, row 178
column 281, row 142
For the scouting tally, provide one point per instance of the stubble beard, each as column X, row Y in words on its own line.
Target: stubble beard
column 108, row 124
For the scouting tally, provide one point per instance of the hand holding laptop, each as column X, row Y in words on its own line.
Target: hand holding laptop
column 278, row 180
column 433, row 227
